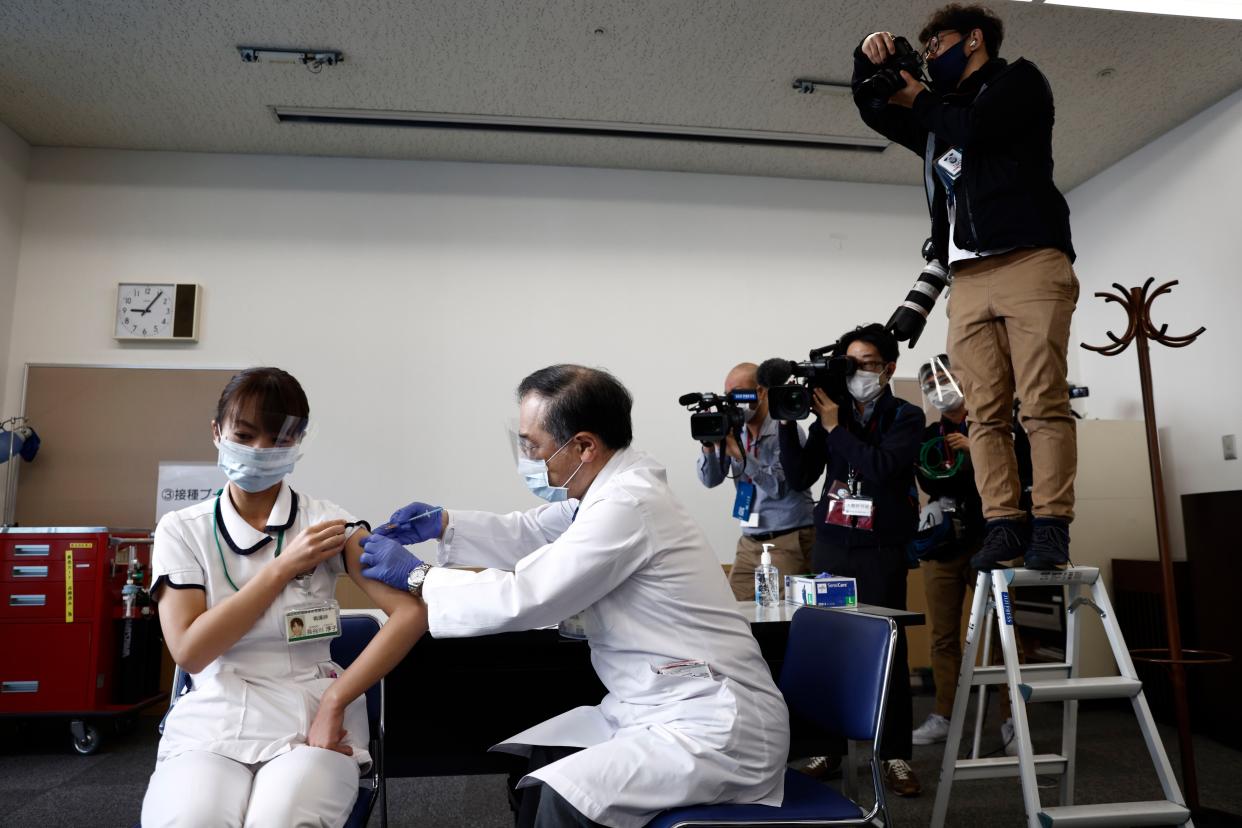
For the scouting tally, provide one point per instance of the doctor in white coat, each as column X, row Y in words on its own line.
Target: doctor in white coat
column 692, row 715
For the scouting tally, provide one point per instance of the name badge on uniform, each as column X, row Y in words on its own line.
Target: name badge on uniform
column 744, row 502
column 310, row 622
column 689, row 668
column 949, row 168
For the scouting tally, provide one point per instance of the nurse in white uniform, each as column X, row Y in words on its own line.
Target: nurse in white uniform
column 273, row 733
column 692, row 714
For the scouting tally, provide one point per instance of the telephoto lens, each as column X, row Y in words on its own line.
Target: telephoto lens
column 908, row 321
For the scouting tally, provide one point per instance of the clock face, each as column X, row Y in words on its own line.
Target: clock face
column 144, row 310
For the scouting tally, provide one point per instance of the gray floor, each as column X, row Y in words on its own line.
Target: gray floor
column 42, row 782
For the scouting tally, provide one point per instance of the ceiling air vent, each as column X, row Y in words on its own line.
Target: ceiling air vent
column 560, row 126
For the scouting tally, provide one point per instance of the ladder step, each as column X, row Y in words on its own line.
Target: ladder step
column 996, row 675
column 1159, row 812
column 1083, row 688
column 1045, row 763
column 1050, row 577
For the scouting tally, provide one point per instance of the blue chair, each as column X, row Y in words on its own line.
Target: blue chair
column 358, row 627
column 835, row 675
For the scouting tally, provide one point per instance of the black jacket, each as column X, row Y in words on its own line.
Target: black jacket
column 882, row 453
column 1001, row 119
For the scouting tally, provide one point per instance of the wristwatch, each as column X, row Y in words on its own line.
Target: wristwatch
column 414, row 581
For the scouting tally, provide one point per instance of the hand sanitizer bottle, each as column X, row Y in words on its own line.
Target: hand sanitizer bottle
column 767, row 580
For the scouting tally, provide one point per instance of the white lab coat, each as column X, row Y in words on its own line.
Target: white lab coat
column 651, row 592
column 258, row 699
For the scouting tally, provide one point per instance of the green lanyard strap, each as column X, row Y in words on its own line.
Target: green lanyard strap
column 215, row 530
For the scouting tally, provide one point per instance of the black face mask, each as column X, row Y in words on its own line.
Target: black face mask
column 946, row 69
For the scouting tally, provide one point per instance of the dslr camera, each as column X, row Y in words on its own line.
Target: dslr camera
column 908, row 321
column 716, row 416
column 874, row 92
column 790, row 383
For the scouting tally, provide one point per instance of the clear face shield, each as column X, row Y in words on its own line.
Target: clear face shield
column 533, row 469
column 941, row 388
column 259, row 449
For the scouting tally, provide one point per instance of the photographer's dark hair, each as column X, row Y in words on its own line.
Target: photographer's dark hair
column 963, row 19
column 275, row 393
column 877, row 335
column 582, row 399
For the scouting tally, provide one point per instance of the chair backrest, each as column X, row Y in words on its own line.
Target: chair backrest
column 836, row 669
column 357, row 630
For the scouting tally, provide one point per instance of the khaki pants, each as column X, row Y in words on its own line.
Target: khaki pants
column 1009, row 323
column 948, row 585
column 791, row 555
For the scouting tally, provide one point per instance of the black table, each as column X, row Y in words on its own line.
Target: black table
column 451, row 699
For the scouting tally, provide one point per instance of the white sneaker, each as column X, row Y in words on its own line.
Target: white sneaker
column 935, row 729
column 1007, row 737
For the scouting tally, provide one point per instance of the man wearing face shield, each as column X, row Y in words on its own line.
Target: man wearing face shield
column 951, row 529
column 984, row 132
column 866, row 447
column 770, row 511
column 692, row 715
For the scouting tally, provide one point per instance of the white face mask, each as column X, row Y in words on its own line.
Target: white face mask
column 947, row 400
column 749, row 414
column 865, row 386
column 535, row 475
column 256, row 469
column 947, row 395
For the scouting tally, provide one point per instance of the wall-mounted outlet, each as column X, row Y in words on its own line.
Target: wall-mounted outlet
column 1230, row 444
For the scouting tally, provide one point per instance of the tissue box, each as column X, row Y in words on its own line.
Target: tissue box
column 821, row 591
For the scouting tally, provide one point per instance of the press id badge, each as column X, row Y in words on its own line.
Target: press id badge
column 744, row 503
column 949, row 167
column 857, row 506
column 313, row 621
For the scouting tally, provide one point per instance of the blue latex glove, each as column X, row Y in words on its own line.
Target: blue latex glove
column 385, row 560
column 415, row 523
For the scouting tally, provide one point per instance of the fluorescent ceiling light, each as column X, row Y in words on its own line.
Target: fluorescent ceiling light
column 572, row 126
column 1223, row 9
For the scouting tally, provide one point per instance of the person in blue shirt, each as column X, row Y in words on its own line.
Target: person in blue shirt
column 771, row 511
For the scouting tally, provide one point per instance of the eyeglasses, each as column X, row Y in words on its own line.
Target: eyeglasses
column 934, row 43
column 876, row 366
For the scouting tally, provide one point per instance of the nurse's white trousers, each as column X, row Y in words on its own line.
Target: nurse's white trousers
column 305, row 787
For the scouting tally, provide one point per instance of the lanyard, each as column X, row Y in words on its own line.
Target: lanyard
column 853, row 481
column 215, row 530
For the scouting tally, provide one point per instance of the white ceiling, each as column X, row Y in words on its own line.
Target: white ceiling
column 165, row 75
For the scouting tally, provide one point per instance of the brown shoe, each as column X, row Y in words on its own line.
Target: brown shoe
column 822, row 767
column 900, row 779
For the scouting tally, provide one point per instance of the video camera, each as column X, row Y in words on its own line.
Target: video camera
column 790, row 384
column 908, row 321
column 716, row 416
column 874, row 92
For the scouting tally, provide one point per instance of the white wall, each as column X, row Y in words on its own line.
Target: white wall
column 14, row 161
column 411, row 297
column 1171, row 211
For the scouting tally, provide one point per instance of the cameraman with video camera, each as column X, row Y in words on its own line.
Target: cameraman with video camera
column 984, row 131
column 770, row 510
column 868, row 441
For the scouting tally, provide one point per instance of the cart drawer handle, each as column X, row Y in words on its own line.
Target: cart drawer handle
column 27, row 600
column 30, row 571
column 32, row 550
column 19, row 687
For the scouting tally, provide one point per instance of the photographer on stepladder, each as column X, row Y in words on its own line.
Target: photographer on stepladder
column 984, row 131
column 951, row 530
column 771, row 512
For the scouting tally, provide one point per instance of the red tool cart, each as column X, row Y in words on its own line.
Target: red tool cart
column 70, row 645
